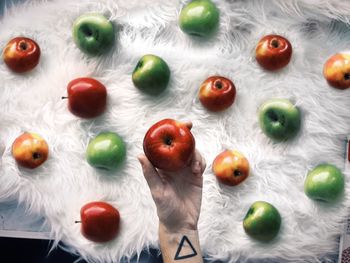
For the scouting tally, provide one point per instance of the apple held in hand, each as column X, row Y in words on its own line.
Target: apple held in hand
column 231, row 167
column 337, row 71
column 217, row 93
column 199, row 18
column 273, row 52
column 279, row 119
column 87, row 97
column 21, row 54
column 151, row 75
column 30, row 150
column 262, row 221
column 106, row 151
column 169, row 145
column 99, row 222
column 324, row 183
column 93, row 33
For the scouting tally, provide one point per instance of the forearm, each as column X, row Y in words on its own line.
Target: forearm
column 180, row 247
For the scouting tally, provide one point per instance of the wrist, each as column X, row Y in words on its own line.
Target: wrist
column 179, row 244
column 173, row 230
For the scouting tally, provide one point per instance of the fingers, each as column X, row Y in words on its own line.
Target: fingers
column 198, row 163
column 204, row 164
column 189, row 124
column 150, row 173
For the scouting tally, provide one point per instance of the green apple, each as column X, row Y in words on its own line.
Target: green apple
column 200, row 18
column 279, row 119
column 324, row 183
column 106, row 151
column 93, row 33
column 151, row 74
column 262, row 221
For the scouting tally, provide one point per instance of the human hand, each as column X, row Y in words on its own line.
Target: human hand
column 177, row 195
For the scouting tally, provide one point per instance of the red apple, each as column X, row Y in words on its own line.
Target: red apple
column 273, row 52
column 21, row 54
column 99, row 221
column 231, row 167
column 217, row 93
column 87, row 97
column 30, row 150
column 337, row 71
column 169, row 145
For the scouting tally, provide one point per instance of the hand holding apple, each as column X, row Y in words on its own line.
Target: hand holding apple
column 30, row 150
column 87, row 97
column 324, row 183
column 21, row 54
column 151, row 75
column 231, row 167
column 199, row 18
column 177, row 194
column 262, row 221
column 106, row 151
column 273, row 52
column 93, row 33
column 217, row 93
column 337, row 71
column 169, row 145
column 99, row 222
column 279, row 119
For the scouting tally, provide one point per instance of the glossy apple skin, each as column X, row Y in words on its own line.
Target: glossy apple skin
column 279, row 119
column 217, row 93
column 93, row 33
column 30, row 150
column 231, row 167
column 199, row 18
column 21, row 54
column 106, row 151
column 99, row 222
column 87, row 97
column 169, row 145
column 151, row 74
column 273, row 52
column 324, row 183
column 262, row 221
column 337, row 71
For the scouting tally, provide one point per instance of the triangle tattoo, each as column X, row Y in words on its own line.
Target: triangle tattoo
column 182, row 243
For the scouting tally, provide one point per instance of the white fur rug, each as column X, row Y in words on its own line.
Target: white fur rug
column 316, row 28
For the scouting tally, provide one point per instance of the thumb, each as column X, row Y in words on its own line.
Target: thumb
column 188, row 124
column 149, row 172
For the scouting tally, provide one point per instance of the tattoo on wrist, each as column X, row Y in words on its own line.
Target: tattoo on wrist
column 185, row 249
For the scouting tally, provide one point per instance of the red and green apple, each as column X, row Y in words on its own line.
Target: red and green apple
column 30, row 150
column 217, row 93
column 273, row 52
column 21, row 54
column 231, row 167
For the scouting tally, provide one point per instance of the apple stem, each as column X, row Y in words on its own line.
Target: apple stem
column 77, row 222
column 63, row 98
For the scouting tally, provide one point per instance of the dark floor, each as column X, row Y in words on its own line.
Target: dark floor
column 32, row 251
column 16, row 250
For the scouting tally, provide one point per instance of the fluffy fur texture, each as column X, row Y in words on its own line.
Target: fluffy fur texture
column 58, row 189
